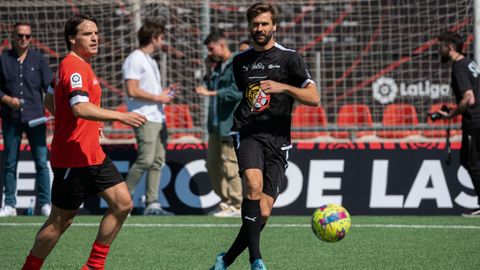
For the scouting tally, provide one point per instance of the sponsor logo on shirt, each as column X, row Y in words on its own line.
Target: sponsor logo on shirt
column 258, row 66
column 245, row 68
column 76, row 80
column 271, row 66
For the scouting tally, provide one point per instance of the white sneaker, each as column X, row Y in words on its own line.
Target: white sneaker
column 46, row 209
column 8, row 211
column 220, row 208
column 154, row 209
column 231, row 211
column 474, row 213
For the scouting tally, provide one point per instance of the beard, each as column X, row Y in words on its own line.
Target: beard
column 444, row 58
column 267, row 37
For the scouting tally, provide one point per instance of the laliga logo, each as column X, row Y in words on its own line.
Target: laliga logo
column 386, row 90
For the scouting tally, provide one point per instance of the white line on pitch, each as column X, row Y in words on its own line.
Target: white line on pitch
column 211, row 225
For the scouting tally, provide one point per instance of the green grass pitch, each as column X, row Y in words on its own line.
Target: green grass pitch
column 191, row 242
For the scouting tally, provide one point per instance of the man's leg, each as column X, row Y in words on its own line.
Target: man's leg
column 48, row 236
column 12, row 135
column 214, row 164
column 119, row 206
column 38, row 143
column 154, row 172
column 145, row 156
column 230, row 171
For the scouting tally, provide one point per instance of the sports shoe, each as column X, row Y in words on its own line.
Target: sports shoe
column 220, row 208
column 231, row 211
column 8, row 211
column 219, row 263
column 46, row 209
column 474, row 213
column 258, row 265
column 154, row 209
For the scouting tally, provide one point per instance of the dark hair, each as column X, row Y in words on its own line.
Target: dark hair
column 214, row 36
column 22, row 23
column 150, row 29
column 259, row 8
column 453, row 39
column 244, row 41
column 71, row 27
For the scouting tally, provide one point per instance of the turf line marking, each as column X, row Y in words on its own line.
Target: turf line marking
column 213, row 225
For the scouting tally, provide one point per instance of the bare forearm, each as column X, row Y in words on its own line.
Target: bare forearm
column 307, row 96
column 92, row 112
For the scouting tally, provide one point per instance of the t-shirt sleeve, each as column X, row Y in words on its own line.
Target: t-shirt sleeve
column 132, row 68
column 462, row 76
column 298, row 71
column 78, row 84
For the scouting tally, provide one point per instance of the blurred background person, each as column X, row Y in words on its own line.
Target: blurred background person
column 146, row 96
column 224, row 97
column 243, row 45
column 24, row 78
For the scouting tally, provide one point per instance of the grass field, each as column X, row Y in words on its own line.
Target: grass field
column 191, row 242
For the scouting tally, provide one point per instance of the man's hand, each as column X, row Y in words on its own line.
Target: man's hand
column 271, row 87
column 163, row 98
column 133, row 119
column 201, row 90
column 12, row 102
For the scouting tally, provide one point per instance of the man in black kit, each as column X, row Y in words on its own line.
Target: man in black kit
column 271, row 78
column 465, row 84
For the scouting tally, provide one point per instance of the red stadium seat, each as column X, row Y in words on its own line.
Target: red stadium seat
column 400, row 115
column 307, row 116
column 121, row 131
column 353, row 115
column 442, row 122
column 179, row 117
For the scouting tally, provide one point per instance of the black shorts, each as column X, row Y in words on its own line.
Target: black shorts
column 267, row 153
column 71, row 186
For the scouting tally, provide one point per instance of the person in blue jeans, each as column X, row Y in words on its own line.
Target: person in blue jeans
column 24, row 77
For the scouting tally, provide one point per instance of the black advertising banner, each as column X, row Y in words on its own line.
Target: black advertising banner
column 367, row 178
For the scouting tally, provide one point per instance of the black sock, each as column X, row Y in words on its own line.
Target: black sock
column 252, row 220
column 238, row 246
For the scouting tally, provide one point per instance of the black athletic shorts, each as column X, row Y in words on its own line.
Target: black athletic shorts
column 267, row 153
column 71, row 186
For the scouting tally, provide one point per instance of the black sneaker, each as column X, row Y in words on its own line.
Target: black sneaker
column 474, row 213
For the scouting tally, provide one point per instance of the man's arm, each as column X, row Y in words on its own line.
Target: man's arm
column 134, row 90
column 468, row 99
column 49, row 103
column 307, row 95
column 89, row 111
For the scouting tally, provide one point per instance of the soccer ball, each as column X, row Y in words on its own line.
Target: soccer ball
column 331, row 222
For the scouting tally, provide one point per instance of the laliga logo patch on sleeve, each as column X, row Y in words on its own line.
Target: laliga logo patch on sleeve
column 76, row 80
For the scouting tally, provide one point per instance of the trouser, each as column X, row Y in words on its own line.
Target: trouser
column 151, row 140
column 12, row 137
column 222, row 168
column 470, row 159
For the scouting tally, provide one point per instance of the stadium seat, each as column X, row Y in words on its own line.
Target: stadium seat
column 399, row 115
column 442, row 122
column 179, row 117
column 353, row 115
column 120, row 130
column 307, row 116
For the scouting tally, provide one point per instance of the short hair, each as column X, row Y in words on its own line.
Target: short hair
column 259, row 8
column 22, row 23
column 452, row 38
column 71, row 26
column 244, row 41
column 214, row 36
column 150, row 29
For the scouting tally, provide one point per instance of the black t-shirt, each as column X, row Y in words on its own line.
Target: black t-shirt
column 466, row 76
column 259, row 113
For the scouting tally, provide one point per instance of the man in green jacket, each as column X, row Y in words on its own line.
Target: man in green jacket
column 224, row 97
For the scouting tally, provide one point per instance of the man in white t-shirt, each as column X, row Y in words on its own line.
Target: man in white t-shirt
column 146, row 97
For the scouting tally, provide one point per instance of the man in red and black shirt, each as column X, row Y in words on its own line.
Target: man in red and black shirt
column 80, row 167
